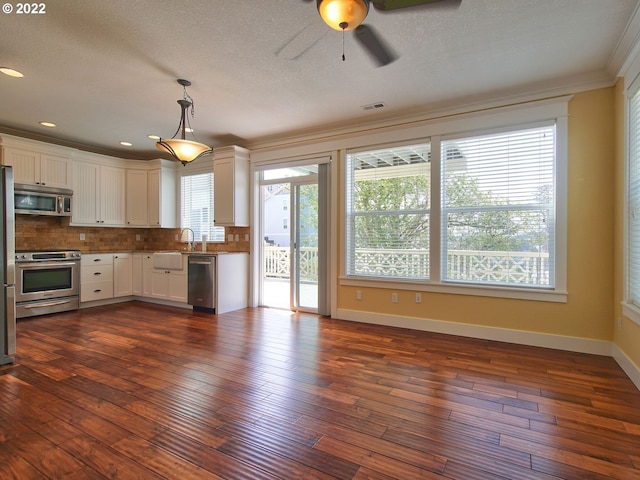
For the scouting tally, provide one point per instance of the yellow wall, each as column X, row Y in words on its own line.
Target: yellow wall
column 627, row 335
column 589, row 309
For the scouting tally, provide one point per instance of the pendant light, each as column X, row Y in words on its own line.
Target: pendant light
column 180, row 149
column 343, row 15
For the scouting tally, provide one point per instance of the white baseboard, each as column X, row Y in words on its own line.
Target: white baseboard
column 559, row 342
column 158, row 301
column 631, row 369
column 545, row 340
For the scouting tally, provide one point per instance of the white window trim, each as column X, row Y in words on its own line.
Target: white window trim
column 631, row 79
column 505, row 117
column 198, row 167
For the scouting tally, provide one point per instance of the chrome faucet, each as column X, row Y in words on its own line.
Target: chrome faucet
column 192, row 244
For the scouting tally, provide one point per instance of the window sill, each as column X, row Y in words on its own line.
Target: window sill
column 458, row 289
column 631, row 312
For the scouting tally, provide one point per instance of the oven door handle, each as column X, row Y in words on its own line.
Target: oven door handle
column 48, row 304
column 37, row 265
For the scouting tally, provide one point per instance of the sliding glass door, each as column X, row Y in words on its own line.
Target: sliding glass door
column 294, row 233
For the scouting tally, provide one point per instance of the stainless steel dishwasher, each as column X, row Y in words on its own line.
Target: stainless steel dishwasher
column 202, row 282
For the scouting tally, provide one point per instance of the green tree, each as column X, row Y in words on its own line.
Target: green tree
column 384, row 200
column 395, row 214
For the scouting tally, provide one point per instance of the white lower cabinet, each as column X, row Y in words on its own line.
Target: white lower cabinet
column 122, row 274
column 96, row 277
column 163, row 284
column 106, row 275
column 113, row 275
column 136, row 274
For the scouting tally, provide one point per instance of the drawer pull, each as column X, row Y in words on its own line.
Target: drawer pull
column 97, row 273
column 97, row 290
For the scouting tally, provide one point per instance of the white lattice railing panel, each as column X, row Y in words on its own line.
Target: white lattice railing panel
column 392, row 263
column 512, row 268
column 519, row 268
column 277, row 263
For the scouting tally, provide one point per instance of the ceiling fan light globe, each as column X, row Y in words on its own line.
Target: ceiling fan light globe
column 338, row 13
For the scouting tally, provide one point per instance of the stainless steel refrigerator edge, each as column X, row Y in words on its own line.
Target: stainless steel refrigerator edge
column 7, row 267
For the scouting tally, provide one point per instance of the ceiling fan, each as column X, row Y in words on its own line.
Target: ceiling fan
column 346, row 15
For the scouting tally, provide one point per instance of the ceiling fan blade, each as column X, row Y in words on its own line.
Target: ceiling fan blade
column 388, row 5
column 374, row 45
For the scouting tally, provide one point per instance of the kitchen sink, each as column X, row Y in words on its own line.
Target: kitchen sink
column 167, row 260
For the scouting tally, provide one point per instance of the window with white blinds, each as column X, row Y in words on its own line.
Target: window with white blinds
column 388, row 197
column 197, row 207
column 490, row 221
column 498, row 208
column 633, row 198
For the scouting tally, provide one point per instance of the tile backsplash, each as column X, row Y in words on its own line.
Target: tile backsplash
column 54, row 233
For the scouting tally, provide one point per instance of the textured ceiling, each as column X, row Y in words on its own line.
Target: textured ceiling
column 105, row 71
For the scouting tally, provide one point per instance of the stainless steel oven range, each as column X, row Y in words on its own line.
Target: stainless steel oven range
column 47, row 282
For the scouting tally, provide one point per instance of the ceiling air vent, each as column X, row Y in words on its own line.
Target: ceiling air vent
column 373, row 106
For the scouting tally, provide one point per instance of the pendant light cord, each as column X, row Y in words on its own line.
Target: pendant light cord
column 188, row 98
column 343, row 57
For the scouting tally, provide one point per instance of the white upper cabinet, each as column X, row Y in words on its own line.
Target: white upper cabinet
column 151, row 197
column 162, row 196
column 137, row 198
column 36, row 168
column 231, row 187
column 98, row 195
column 107, row 191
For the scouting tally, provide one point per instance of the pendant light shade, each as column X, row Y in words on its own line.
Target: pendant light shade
column 180, row 149
column 343, row 14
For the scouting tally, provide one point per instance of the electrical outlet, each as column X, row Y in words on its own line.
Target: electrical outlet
column 358, row 294
column 82, row 237
column 394, row 298
column 246, row 237
column 137, row 237
column 418, row 297
column 237, row 237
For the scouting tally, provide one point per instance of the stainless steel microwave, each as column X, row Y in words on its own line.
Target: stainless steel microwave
column 42, row 200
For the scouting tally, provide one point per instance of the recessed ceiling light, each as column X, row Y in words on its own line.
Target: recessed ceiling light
column 11, row 72
column 126, row 144
column 154, row 137
column 48, row 124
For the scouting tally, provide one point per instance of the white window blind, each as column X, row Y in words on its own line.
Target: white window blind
column 388, row 208
column 498, row 208
column 197, row 207
column 633, row 199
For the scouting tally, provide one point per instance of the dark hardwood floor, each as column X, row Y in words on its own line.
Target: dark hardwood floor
column 137, row 391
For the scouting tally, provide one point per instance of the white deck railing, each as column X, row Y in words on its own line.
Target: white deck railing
column 518, row 268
